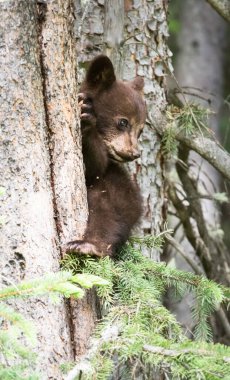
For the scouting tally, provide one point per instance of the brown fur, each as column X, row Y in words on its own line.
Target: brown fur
column 113, row 198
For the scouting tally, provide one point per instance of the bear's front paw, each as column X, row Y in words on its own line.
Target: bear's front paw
column 87, row 116
column 79, row 246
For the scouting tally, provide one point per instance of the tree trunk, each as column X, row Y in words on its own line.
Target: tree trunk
column 41, row 163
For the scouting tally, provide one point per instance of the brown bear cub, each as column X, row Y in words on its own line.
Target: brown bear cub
column 113, row 113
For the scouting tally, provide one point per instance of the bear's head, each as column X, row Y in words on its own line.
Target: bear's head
column 119, row 108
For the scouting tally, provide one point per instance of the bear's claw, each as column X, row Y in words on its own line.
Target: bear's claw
column 79, row 246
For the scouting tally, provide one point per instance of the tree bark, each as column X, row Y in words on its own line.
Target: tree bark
column 133, row 35
column 58, row 62
column 58, row 59
column 41, row 164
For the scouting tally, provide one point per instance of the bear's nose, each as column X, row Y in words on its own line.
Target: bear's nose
column 136, row 154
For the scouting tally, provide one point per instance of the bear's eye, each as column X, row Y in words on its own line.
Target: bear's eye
column 123, row 124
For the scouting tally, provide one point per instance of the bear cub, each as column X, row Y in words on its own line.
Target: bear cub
column 113, row 114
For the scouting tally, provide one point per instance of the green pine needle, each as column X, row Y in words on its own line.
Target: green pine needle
column 192, row 119
column 133, row 298
column 17, row 335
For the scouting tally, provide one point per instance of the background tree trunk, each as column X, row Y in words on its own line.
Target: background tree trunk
column 199, row 71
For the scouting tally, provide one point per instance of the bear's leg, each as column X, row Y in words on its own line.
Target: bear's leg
column 113, row 211
column 108, row 225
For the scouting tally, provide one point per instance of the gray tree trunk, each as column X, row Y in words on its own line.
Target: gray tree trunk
column 41, row 164
column 199, row 71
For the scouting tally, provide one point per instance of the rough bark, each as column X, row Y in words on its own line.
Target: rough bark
column 58, row 58
column 29, row 239
column 145, row 53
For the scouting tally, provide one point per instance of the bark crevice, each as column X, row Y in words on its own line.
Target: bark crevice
column 42, row 9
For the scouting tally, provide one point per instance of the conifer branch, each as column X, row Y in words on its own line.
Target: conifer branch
column 186, row 126
column 109, row 334
column 62, row 282
column 15, row 325
column 137, row 320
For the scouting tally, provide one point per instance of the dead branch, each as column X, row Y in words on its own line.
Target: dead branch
column 184, row 254
column 222, row 7
column 168, row 352
column 206, row 147
column 210, row 150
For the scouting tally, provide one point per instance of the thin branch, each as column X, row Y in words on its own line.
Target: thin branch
column 210, row 151
column 187, row 258
column 206, row 147
column 221, row 314
column 192, row 235
column 222, row 7
column 224, row 321
column 168, row 352
column 110, row 333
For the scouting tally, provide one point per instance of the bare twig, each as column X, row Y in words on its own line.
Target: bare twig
column 184, row 254
column 168, row 352
column 224, row 321
column 210, row 150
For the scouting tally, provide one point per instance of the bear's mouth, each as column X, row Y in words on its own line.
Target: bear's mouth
column 115, row 157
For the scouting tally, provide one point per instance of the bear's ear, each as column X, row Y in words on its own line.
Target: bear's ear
column 100, row 72
column 138, row 84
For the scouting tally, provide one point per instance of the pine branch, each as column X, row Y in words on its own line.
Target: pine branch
column 186, row 126
column 210, row 150
column 137, row 319
column 15, row 326
column 61, row 282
